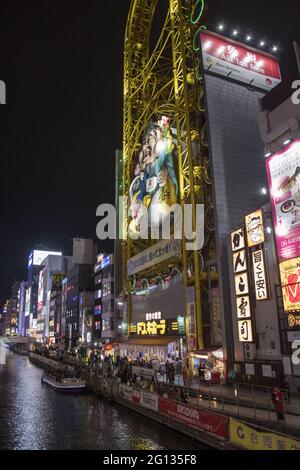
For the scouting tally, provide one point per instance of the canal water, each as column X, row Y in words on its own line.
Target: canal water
column 34, row 417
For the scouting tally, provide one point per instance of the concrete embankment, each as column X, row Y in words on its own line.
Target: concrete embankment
column 210, row 428
column 46, row 363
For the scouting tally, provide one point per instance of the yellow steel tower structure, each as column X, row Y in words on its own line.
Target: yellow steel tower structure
column 168, row 80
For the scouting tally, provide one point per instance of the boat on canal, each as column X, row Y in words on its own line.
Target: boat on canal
column 64, row 385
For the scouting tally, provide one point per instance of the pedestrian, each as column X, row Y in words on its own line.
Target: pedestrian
column 183, row 396
column 186, row 376
column 278, row 401
column 167, row 368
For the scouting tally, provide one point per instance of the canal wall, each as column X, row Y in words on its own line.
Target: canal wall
column 206, row 427
column 46, row 363
column 210, row 428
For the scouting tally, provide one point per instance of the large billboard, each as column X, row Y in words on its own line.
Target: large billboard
column 27, row 302
column 38, row 256
column 159, row 252
column 41, row 290
column 236, row 61
column 283, row 170
column 154, row 187
column 290, row 283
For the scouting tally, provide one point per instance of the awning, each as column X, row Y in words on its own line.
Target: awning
column 164, row 341
column 214, row 350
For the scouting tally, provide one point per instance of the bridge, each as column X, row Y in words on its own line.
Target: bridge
column 14, row 339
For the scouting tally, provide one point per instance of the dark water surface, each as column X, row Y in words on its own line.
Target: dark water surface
column 32, row 416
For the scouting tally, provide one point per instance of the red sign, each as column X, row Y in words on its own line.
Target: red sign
column 237, row 61
column 194, row 417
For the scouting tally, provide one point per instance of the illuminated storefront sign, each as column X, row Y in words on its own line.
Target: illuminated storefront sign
column 236, row 61
column 239, row 261
column 152, row 328
column 57, row 279
column 260, row 282
column 241, row 284
column 283, row 170
column 289, row 272
column 245, row 331
column 181, row 325
column 255, row 228
column 153, row 316
column 238, row 240
column 243, row 307
column 106, row 261
column 293, row 321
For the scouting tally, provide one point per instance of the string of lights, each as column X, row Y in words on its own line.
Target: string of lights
column 249, row 38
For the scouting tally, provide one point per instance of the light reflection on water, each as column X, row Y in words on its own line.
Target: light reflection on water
column 34, row 417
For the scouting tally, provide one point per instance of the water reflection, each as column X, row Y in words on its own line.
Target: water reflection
column 34, row 417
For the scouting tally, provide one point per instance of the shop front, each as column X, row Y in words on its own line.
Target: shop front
column 145, row 350
column 210, row 360
column 157, row 329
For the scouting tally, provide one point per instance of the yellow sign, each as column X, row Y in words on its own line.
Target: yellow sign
column 152, row 328
column 255, row 228
column 244, row 436
column 290, row 271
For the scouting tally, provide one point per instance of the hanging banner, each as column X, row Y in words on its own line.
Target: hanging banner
column 194, row 417
column 260, row 281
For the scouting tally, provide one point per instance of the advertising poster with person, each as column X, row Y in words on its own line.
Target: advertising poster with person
column 154, row 188
column 283, row 170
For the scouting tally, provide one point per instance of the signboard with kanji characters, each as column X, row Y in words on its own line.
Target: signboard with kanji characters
column 241, row 284
column 243, row 307
column 238, row 240
column 239, row 261
column 260, row 281
column 245, row 331
column 251, row 439
column 152, row 328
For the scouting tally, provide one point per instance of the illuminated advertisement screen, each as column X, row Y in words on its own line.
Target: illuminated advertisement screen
column 41, row 290
column 290, row 282
column 236, row 61
column 39, row 256
column 154, row 187
column 283, row 170
column 27, row 302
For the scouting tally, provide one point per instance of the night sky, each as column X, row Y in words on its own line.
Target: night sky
column 62, row 62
